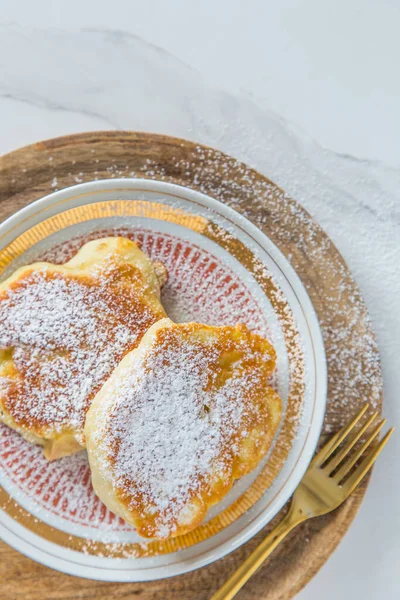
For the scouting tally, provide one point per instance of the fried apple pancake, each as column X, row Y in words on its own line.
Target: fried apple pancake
column 181, row 417
column 63, row 329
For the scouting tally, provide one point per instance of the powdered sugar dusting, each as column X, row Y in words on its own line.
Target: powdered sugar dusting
column 176, row 431
column 66, row 335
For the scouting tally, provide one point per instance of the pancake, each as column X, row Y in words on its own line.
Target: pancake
column 63, row 329
column 180, row 418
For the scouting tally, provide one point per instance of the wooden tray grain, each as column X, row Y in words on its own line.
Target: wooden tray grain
column 33, row 171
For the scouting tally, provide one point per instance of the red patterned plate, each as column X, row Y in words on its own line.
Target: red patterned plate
column 222, row 270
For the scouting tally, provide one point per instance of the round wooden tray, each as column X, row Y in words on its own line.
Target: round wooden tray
column 353, row 359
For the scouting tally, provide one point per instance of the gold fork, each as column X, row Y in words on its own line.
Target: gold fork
column 327, row 483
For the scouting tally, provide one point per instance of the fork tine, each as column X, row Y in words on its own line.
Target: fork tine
column 337, row 439
column 366, row 464
column 336, row 460
column 349, row 464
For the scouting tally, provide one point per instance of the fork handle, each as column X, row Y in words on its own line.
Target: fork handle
column 237, row 580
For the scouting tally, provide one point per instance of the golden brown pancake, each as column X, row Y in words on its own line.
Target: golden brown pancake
column 181, row 417
column 63, row 329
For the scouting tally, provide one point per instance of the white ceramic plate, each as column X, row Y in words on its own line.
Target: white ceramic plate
column 222, row 269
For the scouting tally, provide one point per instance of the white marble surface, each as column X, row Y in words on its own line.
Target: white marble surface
column 308, row 92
